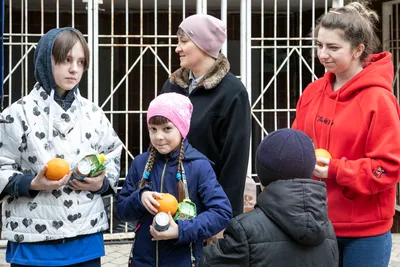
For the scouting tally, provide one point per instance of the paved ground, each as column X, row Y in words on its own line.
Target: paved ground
column 117, row 254
column 395, row 257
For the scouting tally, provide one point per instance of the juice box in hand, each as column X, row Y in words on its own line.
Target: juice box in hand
column 89, row 166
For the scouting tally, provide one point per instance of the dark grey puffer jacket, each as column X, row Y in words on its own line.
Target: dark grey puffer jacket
column 289, row 227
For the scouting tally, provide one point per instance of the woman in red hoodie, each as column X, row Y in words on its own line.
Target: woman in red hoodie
column 352, row 112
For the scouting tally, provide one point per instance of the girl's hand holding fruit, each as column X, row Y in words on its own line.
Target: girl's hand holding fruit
column 322, row 165
column 54, row 174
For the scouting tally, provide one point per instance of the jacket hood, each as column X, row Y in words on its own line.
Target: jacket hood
column 298, row 207
column 45, row 77
column 377, row 72
column 43, row 68
column 210, row 80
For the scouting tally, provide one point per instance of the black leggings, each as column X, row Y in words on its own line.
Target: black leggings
column 91, row 263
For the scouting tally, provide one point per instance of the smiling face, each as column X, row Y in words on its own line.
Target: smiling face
column 164, row 137
column 336, row 54
column 68, row 73
column 190, row 56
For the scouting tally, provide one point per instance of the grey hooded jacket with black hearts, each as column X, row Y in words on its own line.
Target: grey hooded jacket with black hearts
column 41, row 130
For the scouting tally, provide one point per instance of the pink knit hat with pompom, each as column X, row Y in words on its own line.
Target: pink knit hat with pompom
column 175, row 107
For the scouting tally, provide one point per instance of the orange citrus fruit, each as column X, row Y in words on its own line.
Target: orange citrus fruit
column 168, row 203
column 56, row 169
column 322, row 153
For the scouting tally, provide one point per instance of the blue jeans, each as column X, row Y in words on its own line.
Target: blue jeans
column 91, row 263
column 371, row 251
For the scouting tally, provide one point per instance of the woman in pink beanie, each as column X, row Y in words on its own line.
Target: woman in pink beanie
column 220, row 126
column 172, row 166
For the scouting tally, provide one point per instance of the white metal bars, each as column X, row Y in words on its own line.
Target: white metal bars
column 390, row 38
column 21, row 43
column 1, row 52
column 391, row 43
column 136, row 42
column 283, row 37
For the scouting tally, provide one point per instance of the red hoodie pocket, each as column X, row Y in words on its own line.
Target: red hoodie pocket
column 379, row 206
column 366, row 208
column 340, row 208
column 349, row 194
column 348, row 206
column 387, row 203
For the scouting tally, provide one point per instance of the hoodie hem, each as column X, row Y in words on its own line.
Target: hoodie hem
column 364, row 229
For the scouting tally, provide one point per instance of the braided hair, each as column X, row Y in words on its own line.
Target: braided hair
column 181, row 188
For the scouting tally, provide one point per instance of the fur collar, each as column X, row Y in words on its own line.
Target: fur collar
column 210, row 80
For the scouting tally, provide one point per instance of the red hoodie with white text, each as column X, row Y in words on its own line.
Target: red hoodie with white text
column 359, row 125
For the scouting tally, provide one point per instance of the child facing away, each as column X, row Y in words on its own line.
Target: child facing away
column 173, row 166
column 50, row 223
column 289, row 225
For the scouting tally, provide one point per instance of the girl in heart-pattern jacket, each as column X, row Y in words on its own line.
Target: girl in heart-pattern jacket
column 48, row 222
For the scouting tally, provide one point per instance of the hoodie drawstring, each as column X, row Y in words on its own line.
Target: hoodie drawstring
column 78, row 103
column 328, row 137
column 51, row 114
column 314, row 139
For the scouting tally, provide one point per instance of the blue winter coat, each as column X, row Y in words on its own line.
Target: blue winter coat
column 213, row 208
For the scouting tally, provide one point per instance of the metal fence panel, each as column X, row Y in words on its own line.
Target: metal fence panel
column 282, row 62
column 1, row 53
column 391, row 43
column 132, row 48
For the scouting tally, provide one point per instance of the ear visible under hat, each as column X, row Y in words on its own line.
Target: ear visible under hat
column 207, row 32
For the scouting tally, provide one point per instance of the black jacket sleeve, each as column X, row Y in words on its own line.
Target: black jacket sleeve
column 234, row 141
column 235, row 132
column 18, row 186
column 232, row 250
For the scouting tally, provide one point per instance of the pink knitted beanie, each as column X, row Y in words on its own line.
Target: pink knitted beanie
column 207, row 32
column 175, row 107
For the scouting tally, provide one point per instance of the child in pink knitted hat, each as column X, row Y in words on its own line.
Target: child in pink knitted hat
column 172, row 165
column 174, row 107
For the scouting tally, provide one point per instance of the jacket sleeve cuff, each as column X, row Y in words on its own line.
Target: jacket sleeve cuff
column 141, row 190
column 182, row 238
column 104, row 188
column 23, row 186
column 332, row 170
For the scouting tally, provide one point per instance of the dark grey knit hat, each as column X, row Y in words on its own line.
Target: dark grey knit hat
column 285, row 154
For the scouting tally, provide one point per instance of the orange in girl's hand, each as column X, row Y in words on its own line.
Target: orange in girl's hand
column 322, row 153
column 56, row 169
column 168, row 203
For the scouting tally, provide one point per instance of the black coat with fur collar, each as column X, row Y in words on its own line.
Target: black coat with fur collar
column 220, row 124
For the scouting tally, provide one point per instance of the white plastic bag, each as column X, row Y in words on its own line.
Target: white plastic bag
column 250, row 194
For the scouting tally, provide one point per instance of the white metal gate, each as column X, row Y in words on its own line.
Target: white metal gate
column 391, row 43
column 132, row 47
column 391, row 37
